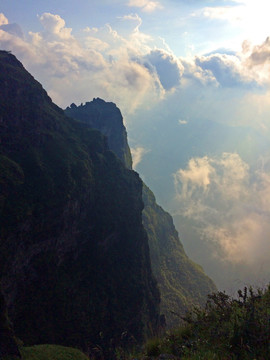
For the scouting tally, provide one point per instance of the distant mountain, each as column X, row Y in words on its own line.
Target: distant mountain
column 74, row 257
column 182, row 283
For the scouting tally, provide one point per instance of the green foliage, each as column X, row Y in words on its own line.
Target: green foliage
column 226, row 328
column 50, row 352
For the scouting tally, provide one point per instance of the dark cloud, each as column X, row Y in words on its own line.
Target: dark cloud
column 221, row 51
column 260, row 54
column 167, row 67
column 226, row 69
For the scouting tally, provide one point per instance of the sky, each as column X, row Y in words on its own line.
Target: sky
column 191, row 79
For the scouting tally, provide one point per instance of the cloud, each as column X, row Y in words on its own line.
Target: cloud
column 3, row 19
column 257, row 60
column 127, row 67
column 13, row 29
column 227, row 13
column 54, row 24
column 100, row 63
column 196, row 175
column 227, row 69
column 260, row 54
column 145, row 5
column 182, row 122
column 247, row 18
column 168, row 68
column 133, row 17
column 137, row 155
column 231, row 203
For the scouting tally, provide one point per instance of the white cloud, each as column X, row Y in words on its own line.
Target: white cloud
column 133, row 17
column 89, row 30
column 100, row 64
column 247, row 16
column 137, row 155
column 3, row 19
column 145, row 5
column 231, row 202
column 228, row 13
column 182, row 122
column 92, row 42
column 196, row 175
column 55, row 25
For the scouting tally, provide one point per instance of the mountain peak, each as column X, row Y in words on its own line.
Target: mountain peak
column 107, row 118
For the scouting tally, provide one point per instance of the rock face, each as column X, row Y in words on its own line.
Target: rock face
column 74, row 256
column 8, row 345
column 182, row 283
column 107, row 118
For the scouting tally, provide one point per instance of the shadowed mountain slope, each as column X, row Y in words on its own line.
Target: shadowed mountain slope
column 74, row 256
column 182, row 283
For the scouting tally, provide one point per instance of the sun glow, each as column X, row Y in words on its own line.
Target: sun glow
column 251, row 17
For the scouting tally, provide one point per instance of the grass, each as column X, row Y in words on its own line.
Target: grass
column 50, row 352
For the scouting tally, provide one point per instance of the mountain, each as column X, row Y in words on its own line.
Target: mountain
column 8, row 343
column 74, row 257
column 107, row 118
column 182, row 283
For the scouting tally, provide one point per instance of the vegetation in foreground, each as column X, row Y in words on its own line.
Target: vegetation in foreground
column 49, row 352
column 226, row 329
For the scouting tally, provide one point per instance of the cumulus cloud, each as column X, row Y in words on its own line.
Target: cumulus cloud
column 100, row 64
column 137, row 155
column 227, row 69
column 260, row 54
column 145, row 5
column 126, row 67
column 230, row 201
column 256, row 58
column 196, row 175
column 168, row 68
column 54, row 24
column 3, row 19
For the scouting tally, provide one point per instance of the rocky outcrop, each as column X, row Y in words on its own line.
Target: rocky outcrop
column 107, row 118
column 74, row 256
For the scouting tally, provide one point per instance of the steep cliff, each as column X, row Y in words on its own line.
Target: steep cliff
column 74, row 256
column 107, row 118
column 182, row 283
